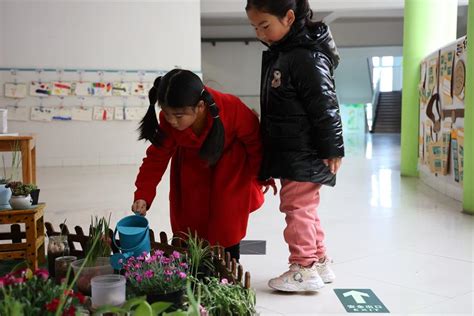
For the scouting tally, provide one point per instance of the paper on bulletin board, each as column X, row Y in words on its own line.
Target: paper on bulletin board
column 460, row 135
column 439, row 154
column 101, row 89
column 15, row 90
column 446, row 72
column 135, row 113
column 62, row 113
column 121, row 89
column 42, row 114
column 81, row 113
column 61, row 89
column 82, row 89
column 140, row 88
column 119, row 113
column 103, row 113
column 40, row 89
column 18, row 113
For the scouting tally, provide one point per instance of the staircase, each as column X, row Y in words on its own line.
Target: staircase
column 388, row 116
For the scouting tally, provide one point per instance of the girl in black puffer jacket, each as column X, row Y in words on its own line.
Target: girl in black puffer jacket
column 301, row 128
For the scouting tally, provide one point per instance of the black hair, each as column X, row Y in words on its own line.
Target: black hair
column 279, row 8
column 177, row 89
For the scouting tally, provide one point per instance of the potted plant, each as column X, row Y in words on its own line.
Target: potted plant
column 98, row 251
column 21, row 198
column 219, row 297
column 157, row 276
column 29, row 293
column 5, row 192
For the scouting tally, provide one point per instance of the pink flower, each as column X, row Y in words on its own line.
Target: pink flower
column 43, row 274
column 176, row 254
column 165, row 260
column 182, row 275
column 149, row 274
column 224, row 281
column 120, row 261
column 203, row 311
column 183, row 264
column 137, row 266
column 159, row 253
column 140, row 258
column 168, row 272
column 139, row 278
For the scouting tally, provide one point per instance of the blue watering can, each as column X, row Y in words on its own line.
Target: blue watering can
column 134, row 236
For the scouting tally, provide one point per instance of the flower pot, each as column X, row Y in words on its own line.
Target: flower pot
column 57, row 247
column 61, row 266
column 174, row 297
column 35, row 196
column 5, row 195
column 102, row 266
column 108, row 289
column 20, row 202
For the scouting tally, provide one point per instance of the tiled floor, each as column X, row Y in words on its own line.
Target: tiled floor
column 395, row 236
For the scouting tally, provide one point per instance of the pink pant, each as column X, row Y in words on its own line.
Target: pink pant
column 303, row 232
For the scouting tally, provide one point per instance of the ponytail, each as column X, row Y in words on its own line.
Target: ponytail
column 279, row 8
column 213, row 146
column 149, row 129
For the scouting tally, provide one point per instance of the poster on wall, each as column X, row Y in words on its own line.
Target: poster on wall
column 15, row 90
column 18, row 113
column 40, row 89
column 119, row 113
column 140, row 88
column 101, row 89
column 441, row 136
column 135, row 113
column 81, row 113
column 121, row 89
column 103, row 113
column 61, row 89
column 42, row 114
column 82, row 89
column 62, row 113
column 446, row 64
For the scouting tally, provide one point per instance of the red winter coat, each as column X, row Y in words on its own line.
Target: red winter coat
column 213, row 201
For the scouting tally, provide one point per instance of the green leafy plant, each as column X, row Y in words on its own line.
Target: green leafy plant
column 223, row 298
column 199, row 254
column 15, row 164
column 31, row 294
column 18, row 188
column 100, row 231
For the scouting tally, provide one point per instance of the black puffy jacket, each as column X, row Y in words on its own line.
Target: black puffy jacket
column 301, row 124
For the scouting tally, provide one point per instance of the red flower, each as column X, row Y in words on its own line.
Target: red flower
column 71, row 311
column 53, row 305
column 80, row 297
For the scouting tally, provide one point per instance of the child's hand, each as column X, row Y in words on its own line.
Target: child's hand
column 139, row 207
column 333, row 164
column 267, row 184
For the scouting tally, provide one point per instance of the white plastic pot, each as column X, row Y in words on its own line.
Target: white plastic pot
column 108, row 289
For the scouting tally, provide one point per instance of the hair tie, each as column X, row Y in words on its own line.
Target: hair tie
column 214, row 110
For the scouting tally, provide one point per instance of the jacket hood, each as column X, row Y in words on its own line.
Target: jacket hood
column 317, row 37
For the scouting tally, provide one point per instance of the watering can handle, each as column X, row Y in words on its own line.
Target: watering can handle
column 115, row 233
column 146, row 235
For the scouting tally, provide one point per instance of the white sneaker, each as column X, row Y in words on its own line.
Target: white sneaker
column 298, row 279
column 324, row 271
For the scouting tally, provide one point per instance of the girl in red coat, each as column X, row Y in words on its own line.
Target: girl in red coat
column 213, row 142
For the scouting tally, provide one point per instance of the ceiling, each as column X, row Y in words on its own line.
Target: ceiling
column 353, row 22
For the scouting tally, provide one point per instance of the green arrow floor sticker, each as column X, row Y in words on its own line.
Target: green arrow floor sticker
column 360, row 301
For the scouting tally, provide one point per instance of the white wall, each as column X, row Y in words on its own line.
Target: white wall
column 155, row 35
column 235, row 68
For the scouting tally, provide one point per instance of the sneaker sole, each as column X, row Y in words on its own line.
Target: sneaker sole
column 291, row 288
